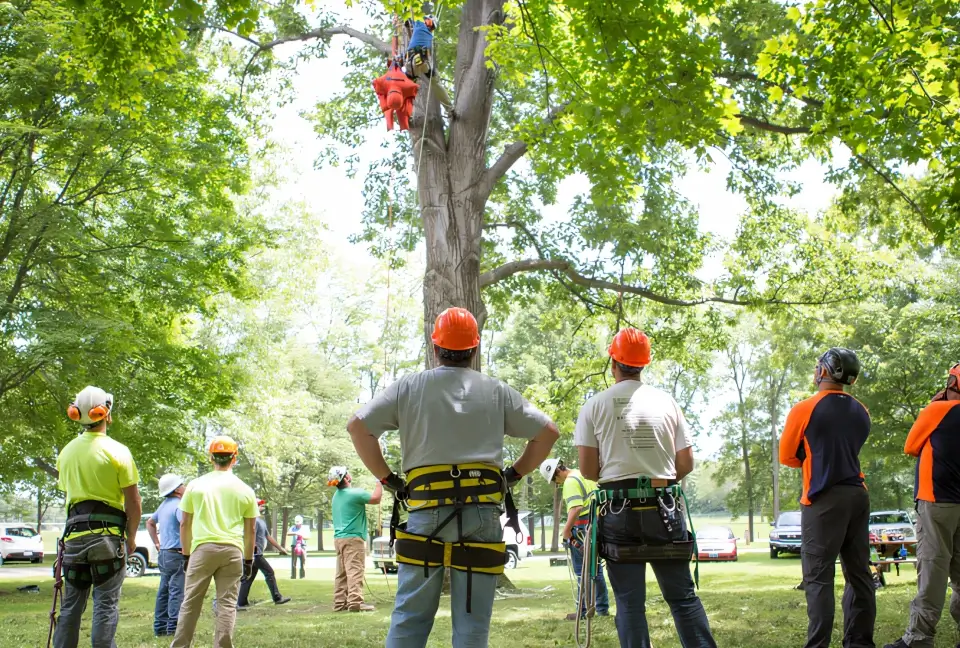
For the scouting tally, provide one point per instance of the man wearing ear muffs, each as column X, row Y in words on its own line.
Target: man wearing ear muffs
column 823, row 436
column 100, row 479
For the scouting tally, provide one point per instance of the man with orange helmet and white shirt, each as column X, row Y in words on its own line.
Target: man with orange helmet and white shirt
column 452, row 422
column 934, row 440
column 634, row 440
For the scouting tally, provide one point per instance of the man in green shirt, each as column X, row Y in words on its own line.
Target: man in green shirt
column 218, row 534
column 350, row 539
column 574, row 490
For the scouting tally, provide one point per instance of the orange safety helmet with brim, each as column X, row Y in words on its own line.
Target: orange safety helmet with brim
column 456, row 330
column 223, row 445
column 630, row 347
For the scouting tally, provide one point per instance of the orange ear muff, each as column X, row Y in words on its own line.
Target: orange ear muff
column 98, row 413
column 73, row 412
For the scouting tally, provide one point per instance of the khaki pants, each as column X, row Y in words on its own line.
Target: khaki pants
column 348, row 591
column 938, row 559
column 224, row 564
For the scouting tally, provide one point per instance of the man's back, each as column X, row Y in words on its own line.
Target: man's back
column 95, row 467
column 452, row 415
column 825, row 433
column 219, row 502
column 637, row 429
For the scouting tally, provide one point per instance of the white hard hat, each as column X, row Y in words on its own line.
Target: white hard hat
column 548, row 468
column 298, row 519
column 169, row 483
column 91, row 406
column 336, row 475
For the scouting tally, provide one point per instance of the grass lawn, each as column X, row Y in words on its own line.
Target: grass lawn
column 750, row 603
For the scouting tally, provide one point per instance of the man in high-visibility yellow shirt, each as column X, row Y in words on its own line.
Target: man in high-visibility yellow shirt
column 574, row 490
column 100, row 479
column 218, row 534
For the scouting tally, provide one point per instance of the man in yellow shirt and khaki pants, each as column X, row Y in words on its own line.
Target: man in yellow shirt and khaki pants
column 100, row 479
column 218, row 535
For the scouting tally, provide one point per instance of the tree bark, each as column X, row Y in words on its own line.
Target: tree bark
column 555, row 542
column 285, row 517
column 320, row 529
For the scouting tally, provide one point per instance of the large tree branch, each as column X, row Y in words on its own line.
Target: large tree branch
column 527, row 265
column 324, row 33
column 46, row 467
column 513, row 153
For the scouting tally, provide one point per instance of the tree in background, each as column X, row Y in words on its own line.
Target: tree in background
column 117, row 231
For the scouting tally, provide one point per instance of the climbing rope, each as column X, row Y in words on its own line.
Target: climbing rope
column 430, row 82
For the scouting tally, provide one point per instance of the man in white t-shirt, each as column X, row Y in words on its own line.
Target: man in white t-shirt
column 633, row 437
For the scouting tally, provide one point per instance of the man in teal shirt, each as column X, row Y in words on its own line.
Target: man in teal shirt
column 350, row 539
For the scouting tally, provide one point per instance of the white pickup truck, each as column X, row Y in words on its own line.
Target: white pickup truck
column 518, row 547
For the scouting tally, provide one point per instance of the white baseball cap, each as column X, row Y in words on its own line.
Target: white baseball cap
column 169, row 483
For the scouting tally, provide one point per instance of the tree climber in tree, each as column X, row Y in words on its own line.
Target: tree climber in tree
column 634, row 440
column 823, row 436
column 452, row 423
column 419, row 57
column 396, row 94
column 935, row 440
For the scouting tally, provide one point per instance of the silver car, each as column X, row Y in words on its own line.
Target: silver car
column 892, row 523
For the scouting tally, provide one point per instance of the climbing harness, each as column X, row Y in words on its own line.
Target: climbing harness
column 647, row 494
column 456, row 485
column 89, row 515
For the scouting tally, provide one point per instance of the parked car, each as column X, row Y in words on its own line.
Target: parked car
column 384, row 557
column 145, row 556
column 20, row 542
column 716, row 543
column 892, row 525
column 785, row 536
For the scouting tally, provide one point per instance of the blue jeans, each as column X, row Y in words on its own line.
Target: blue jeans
column 629, row 583
column 170, row 594
column 418, row 596
column 603, row 600
column 106, row 595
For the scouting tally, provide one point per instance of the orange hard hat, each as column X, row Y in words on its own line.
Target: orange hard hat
column 630, row 347
column 223, row 445
column 456, row 329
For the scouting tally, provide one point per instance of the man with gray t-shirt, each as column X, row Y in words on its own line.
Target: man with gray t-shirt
column 452, row 422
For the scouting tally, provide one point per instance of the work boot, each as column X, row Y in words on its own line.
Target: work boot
column 363, row 607
column 282, row 600
column 899, row 643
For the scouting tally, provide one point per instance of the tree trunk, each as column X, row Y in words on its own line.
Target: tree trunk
column 319, row 529
column 747, row 480
column 39, row 507
column 543, row 533
column 450, row 168
column 555, row 542
column 285, row 519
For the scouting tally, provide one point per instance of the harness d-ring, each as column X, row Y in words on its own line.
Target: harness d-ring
column 457, row 474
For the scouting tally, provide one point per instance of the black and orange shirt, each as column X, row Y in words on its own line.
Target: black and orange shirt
column 823, row 435
column 935, row 440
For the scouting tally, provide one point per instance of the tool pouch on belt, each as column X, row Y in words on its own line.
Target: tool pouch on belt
column 643, row 530
column 92, row 560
